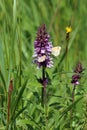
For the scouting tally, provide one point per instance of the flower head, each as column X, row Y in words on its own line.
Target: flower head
column 79, row 68
column 42, row 48
column 75, row 79
column 68, row 29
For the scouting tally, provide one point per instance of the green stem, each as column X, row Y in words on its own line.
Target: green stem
column 20, row 59
column 20, row 65
column 67, row 62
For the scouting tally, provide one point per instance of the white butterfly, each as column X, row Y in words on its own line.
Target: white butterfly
column 42, row 58
column 56, row 50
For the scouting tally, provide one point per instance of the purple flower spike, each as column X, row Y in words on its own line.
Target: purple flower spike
column 42, row 48
column 75, row 79
column 78, row 71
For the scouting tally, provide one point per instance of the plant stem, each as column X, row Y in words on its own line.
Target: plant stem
column 9, row 103
column 67, row 63
column 43, row 87
column 44, row 96
column 73, row 93
column 73, row 98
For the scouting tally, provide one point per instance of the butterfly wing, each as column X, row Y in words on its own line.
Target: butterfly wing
column 42, row 58
column 56, row 50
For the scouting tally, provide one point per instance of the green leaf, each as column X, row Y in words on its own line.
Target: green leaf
column 70, row 107
column 19, row 112
column 28, row 122
column 19, row 98
column 3, row 80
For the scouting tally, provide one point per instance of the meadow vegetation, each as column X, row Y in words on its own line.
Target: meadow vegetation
column 24, row 105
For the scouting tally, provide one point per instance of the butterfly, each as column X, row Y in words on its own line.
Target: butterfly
column 56, row 50
column 42, row 58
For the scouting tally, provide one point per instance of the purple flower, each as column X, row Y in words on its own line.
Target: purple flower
column 75, row 79
column 79, row 68
column 42, row 48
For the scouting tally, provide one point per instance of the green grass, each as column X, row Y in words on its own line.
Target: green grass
column 19, row 21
